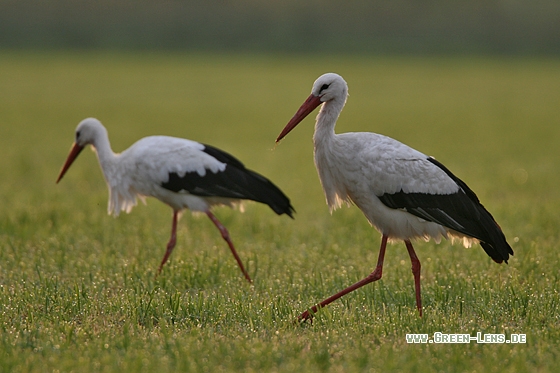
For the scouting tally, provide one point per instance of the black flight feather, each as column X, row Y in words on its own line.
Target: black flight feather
column 461, row 211
column 235, row 181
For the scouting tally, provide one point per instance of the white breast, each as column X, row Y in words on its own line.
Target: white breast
column 142, row 168
column 359, row 167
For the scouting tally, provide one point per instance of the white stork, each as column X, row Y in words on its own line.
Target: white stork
column 182, row 173
column 402, row 192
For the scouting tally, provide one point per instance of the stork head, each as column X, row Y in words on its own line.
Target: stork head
column 88, row 132
column 328, row 87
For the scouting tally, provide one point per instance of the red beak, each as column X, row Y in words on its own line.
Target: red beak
column 74, row 152
column 307, row 107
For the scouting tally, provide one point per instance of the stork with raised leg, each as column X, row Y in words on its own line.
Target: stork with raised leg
column 401, row 191
column 181, row 173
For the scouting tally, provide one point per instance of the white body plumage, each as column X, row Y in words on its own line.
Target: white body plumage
column 140, row 170
column 344, row 160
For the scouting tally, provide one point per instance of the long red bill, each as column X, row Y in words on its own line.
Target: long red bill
column 74, row 152
column 307, row 107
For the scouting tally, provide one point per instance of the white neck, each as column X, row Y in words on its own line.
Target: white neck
column 326, row 120
column 107, row 158
column 327, row 153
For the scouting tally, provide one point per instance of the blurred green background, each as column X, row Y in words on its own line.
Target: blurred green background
column 334, row 26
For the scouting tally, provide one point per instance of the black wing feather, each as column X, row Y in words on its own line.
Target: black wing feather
column 461, row 211
column 235, row 181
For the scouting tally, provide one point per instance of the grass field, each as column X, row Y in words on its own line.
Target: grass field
column 77, row 287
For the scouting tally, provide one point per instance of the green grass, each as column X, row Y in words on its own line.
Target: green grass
column 77, row 287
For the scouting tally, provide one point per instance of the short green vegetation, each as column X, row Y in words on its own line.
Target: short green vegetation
column 78, row 291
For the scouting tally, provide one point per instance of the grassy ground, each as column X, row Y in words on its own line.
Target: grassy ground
column 77, row 287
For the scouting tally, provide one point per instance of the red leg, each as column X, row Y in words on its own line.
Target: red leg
column 225, row 236
column 416, row 272
column 373, row 276
column 172, row 241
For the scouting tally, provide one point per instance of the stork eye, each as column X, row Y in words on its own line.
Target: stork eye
column 77, row 135
column 323, row 87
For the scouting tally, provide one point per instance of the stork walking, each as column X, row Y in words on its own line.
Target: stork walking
column 181, row 173
column 402, row 192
